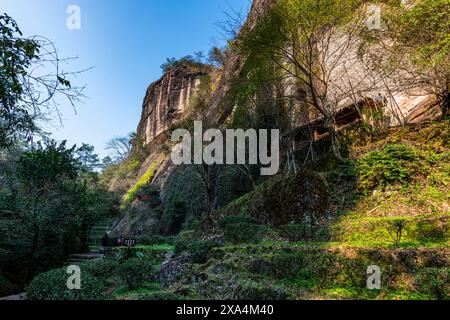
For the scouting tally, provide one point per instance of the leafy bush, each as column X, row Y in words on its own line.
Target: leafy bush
column 434, row 281
column 52, row 285
column 102, row 269
column 295, row 232
column 287, row 265
column 395, row 163
column 435, row 231
column 163, row 295
column 242, row 229
column 250, row 290
column 136, row 271
column 200, row 250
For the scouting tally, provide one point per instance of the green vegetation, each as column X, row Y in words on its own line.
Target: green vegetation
column 398, row 163
column 420, row 44
column 363, row 195
column 200, row 250
column 142, row 183
column 434, row 281
column 52, row 285
column 31, row 80
column 194, row 62
column 136, row 271
column 242, row 229
column 54, row 200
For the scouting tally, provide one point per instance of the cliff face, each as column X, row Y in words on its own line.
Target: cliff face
column 217, row 112
column 166, row 100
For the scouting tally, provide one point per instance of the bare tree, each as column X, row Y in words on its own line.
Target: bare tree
column 33, row 83
column 414, row 43
column 232, row 24
column 314, row 44
column 120, row 147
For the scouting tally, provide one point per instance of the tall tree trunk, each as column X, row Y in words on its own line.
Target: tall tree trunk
column 334, row 139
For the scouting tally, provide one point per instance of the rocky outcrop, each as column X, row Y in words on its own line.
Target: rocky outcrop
column 298, row 198
column 166, row 100
column 219, row 112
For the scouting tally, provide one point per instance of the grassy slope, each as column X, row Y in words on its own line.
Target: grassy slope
column 361, row 233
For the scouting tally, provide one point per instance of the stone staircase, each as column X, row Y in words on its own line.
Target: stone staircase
column 94, row 241
column 98, row 231
column 75, row 259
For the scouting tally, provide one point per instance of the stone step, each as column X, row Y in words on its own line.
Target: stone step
column 16, row 297
column 86, row 256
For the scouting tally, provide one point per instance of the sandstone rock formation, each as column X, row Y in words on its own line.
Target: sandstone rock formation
column 165, row 101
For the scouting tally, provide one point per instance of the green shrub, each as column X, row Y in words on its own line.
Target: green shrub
column 135, row 271
column 435, row 231
column 181, row 246
column 52, row 285
column 250, row 290
column 295, row 232
column 164, row 296
column 102, row 269
column 242, row 229
column 395, row 163
column 435, row 282
column 200, row 250
column 287, row 265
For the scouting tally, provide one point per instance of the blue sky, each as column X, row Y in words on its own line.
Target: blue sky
column 125, row 41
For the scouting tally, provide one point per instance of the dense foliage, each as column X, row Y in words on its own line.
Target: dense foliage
column 51, row 199
column 51, row 285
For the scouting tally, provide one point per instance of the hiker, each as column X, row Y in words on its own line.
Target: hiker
column 105, row 240
column 120, row 240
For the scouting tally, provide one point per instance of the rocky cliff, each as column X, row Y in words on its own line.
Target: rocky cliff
column 166, row 100
column 169, row 98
